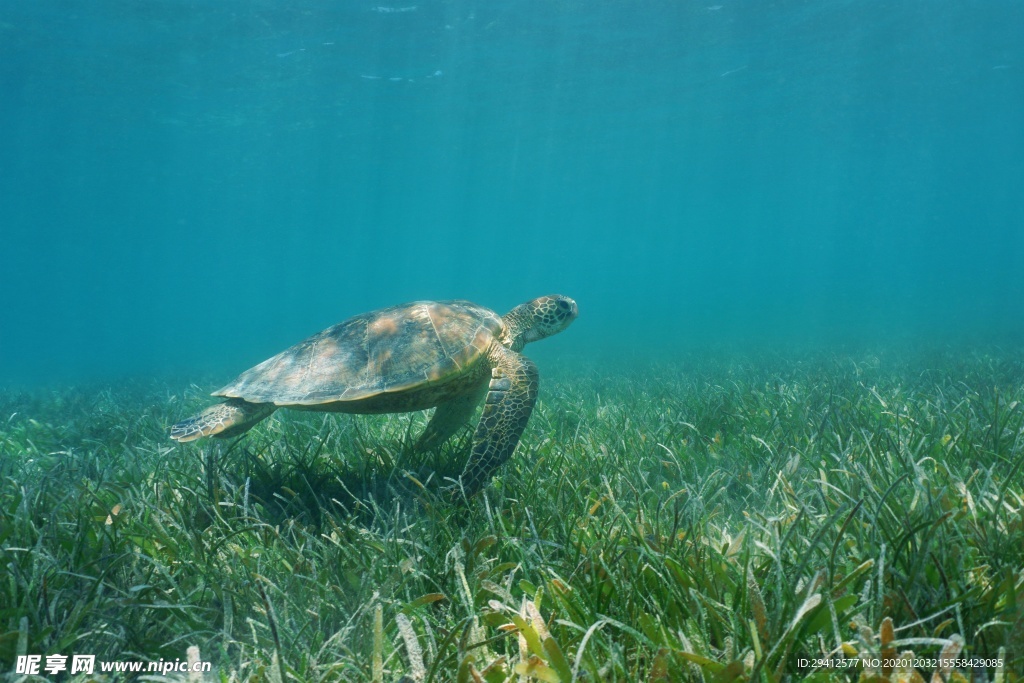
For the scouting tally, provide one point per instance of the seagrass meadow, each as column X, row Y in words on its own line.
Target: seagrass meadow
column 782, row 442
column 709, row 517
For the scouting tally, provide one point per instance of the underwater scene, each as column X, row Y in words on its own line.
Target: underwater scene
column 513, row 341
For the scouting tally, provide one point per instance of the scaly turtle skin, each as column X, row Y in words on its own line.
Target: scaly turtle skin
column 426, row 354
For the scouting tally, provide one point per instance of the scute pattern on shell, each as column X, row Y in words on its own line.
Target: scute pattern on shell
column 390, row 350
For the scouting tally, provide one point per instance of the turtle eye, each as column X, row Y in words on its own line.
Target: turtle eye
column 562, row 305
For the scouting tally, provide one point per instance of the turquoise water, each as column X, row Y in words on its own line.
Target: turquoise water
column 188, row 188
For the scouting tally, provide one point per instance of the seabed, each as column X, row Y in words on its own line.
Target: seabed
column 817, row 518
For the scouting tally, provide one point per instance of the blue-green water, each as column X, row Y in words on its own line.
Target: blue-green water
column 189, row 187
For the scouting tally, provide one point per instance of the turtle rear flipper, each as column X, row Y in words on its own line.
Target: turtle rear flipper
column 510, row 399
column 230, row 418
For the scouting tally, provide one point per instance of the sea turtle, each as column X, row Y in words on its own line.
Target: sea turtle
column 424, row 354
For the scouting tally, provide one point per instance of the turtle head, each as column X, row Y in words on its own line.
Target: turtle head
column 540, row 318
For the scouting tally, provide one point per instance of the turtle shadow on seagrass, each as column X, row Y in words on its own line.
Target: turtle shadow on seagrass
column 448, row 355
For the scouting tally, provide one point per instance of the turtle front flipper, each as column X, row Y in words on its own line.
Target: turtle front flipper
column 510, row 399
column 230, row 418
column 449, row 416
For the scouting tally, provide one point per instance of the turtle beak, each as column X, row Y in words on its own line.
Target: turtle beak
column 573, row 311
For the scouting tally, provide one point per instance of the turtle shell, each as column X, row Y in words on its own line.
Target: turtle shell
column 396, row 349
